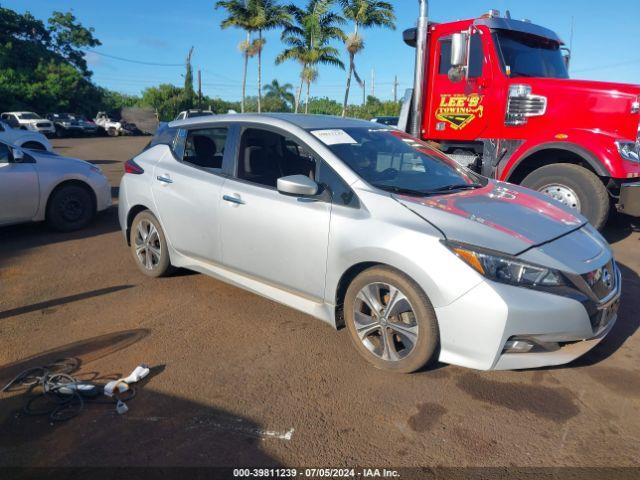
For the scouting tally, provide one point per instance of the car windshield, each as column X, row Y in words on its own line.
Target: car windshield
column 396, row 162
column 199, row 114
column 525, row 55
column 28, row 116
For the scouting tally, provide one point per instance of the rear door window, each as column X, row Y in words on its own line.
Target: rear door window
column 205, row 147
column 265, row 156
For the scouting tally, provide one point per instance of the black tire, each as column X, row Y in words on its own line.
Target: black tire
column 70, row 208
column 33, row 145
column 425, row 347
column 591, row 192
column 160, row 265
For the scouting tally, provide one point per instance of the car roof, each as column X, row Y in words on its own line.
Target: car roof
column 306, row 122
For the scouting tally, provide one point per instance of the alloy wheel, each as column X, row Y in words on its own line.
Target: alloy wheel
column 147, row 244
column 385, row 321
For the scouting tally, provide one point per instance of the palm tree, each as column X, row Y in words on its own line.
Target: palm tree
column 253, row 16
column 280, row 92
column 308, row 39
column 239, row 16
column 265, row 15
column 363, row 14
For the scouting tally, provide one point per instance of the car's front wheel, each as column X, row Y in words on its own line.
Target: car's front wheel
column 390, row 320
column 149, row 245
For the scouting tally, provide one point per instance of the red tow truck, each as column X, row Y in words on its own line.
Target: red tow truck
column 495, row 95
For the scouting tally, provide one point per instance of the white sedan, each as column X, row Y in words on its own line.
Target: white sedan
column 40, row 185
column 23, row 138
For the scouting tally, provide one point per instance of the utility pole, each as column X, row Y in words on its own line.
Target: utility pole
column 373, row 82
column 199, row 90
column 395, row 89
column 364, row 92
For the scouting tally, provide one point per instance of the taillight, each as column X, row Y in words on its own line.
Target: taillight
column 132, row 167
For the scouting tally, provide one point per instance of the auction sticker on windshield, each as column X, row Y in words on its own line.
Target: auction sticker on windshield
column 334, row 136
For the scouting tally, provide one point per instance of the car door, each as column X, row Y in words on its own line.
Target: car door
column 187, row 189
column 274, row 237
column 19, row 188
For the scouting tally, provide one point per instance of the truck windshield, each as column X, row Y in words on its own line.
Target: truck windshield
column 525, row 55
column 396, row 162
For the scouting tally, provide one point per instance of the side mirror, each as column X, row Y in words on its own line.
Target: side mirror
column 297, row 185
column 17, row 155
column 566, row 56
column 459, row 46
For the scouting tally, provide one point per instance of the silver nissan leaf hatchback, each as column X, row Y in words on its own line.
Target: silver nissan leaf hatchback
column 362, row 225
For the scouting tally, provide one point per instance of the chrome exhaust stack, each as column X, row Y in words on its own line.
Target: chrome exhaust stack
column 419, row 74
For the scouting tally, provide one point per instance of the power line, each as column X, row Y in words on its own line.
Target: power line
column 154, row 64
column 605, row 67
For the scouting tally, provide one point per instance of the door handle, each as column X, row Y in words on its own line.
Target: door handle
column 164, row 179
column 232, row 199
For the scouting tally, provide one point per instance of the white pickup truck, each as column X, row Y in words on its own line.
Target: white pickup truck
column 29, row 121
column 23, row 138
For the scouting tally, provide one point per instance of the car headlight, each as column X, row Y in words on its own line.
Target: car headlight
column 628, row 150
column 505, row 268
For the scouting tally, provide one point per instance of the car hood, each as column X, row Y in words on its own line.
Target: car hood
column 53, row 158
column 499, row 216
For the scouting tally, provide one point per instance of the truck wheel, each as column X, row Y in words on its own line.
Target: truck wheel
column 574, row 186
column 112, row 132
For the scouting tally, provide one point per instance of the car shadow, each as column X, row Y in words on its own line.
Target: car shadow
column 626, row 325
column 103, row 162
column 17, row 238
column 620, row 227
column 61, row 301
column 159, row 429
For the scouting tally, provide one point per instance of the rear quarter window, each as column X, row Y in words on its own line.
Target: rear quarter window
column 165, row 135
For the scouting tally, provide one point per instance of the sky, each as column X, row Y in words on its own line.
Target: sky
column 606, row 38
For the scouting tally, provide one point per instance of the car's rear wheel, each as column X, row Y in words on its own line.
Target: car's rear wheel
column 149, row 245
column 390, row 320
column 33, row 146
column 575, row 187
column 70, row 207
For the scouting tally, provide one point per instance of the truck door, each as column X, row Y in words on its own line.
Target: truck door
column 460, row 110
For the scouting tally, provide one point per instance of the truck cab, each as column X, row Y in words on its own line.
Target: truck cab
column 497, row 97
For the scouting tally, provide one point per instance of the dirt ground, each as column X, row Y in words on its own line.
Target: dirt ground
column 242, row 381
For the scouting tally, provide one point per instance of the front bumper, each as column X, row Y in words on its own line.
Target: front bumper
column 103, row 194
column 475, row 328
column 629, row 201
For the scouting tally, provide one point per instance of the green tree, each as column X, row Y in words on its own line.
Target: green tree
column 42, row 67
column 281, row 93
column 189, row 95
column 308, row 39
column 363, row 14
column 166, row 99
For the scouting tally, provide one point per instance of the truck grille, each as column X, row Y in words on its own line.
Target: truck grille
column 43, row 124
